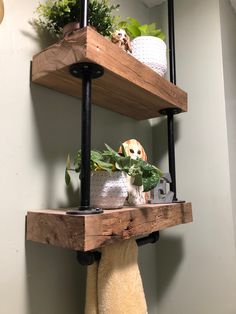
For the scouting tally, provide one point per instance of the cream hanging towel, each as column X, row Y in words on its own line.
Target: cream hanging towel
column 114, row 285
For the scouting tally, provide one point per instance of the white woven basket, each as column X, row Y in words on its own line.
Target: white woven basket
column 150, row 51
column 108, row 191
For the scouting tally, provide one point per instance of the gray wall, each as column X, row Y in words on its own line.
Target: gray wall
column 197, row 273
column 192, row 269
column 228, row 30
column 39, row 127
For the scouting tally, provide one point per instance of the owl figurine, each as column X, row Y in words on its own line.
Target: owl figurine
column 135, row 150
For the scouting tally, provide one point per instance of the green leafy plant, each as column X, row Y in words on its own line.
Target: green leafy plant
column 109, row 160
column 53, row 15
column 134, row 29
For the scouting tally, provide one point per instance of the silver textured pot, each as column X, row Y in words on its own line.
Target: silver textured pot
column 108, row 191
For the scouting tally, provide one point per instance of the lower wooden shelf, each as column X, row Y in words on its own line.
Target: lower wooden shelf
column 85, row 233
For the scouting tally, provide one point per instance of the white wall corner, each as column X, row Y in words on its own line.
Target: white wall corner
column 152, row 3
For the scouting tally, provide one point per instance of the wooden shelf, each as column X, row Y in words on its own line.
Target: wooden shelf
column 86, row 233
column 127, row 87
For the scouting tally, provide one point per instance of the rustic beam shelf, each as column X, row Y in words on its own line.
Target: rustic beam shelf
column 85, row 233
column 127, row 87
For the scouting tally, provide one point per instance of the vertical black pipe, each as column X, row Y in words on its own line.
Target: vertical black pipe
column 85, row 123
column 171, row 152
column 85, row 71
column 85, row 141
column 83, row 13
column 171, row 28
column 170, row 114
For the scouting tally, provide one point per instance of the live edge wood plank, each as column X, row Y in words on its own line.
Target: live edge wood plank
column 127, row 87
column 86, row 233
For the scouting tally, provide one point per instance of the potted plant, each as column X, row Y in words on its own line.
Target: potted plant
column 147, row 43
column 109, row 171
column 61, row 17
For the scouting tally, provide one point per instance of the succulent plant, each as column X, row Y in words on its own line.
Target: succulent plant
column 53, row 15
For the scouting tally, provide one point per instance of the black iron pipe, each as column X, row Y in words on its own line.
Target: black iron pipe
column 86, row 71
column 85, row 141
column 171, row 29
column 85, row 122
column 151, row 238
column 170, row 113
column 171, row 152
column 88, row 258
column 83, row 13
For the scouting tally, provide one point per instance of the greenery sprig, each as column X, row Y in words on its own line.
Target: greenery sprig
column 53, row 15
column 109, row 160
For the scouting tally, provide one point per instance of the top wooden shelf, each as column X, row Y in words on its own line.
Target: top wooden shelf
column 127, row 87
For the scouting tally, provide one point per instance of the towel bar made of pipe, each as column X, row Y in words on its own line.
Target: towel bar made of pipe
column 88, row 258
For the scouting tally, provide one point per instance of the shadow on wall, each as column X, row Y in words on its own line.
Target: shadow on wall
column 57, row 134
column 41, row 37
column 169, row 254
column 158, row 264
column 57, row 128
column 53, row 287
column 160, row 138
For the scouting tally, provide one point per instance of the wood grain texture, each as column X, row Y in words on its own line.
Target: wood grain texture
column 86, row 233
column 127, row 87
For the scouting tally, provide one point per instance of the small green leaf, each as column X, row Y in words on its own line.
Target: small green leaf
column 95, row 155
column 133, row 21
column 151, row 27
column 104, row 165
column 123, row 150
column 67, row 9
column 68, row 163
column 122, row 24
column 155, row 33
column 67, row 177
column 138, row 180
column 133, row 31
column 144, row 30
column 112, row 150
column 162, row 36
